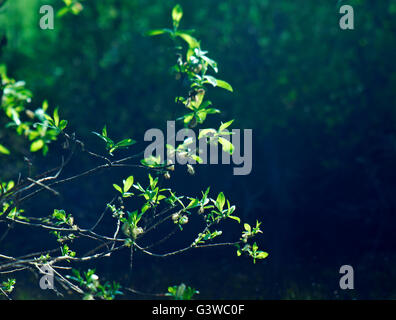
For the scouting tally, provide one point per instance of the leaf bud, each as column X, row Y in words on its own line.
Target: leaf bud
column 190, row 169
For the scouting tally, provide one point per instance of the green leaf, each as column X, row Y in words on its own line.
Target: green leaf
column 125, row 143
column 218, row 83
column 198, row 98
column 145, row 207
column 105, row 138
column 151, row 161
column 206, row 133
column 227, row 145
column 45, row 105
column 10, row 185
column 104, row 131
column 56, row 117
column 211, row 80
column 224, row 85
column 225, row 125
column 59, row 215
column 36, row 145
column 197, row 158
column 212, row 110
column 247, row 227
column 4, row 150
column 201, row 115
column 193, row 204
column 220, row 201
column 62, row 12
column 62, row 125
column 262, row 255
column 128, row 183
column 188, row 117
column 177, row 14
column 235, row 218
column 157, row 32
column 117, row 187
column 211, row 63
column 192, row 42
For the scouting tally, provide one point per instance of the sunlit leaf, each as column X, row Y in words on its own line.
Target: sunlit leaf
column 192, row 42
column 4, row 150
column 157, row 32
column 125, row 143
column 225, row 125
column 36, row 145
column 128, row 183
column 227, row 145
column 220, row 201
column 117, row 187
column 224, row 85
column 177, row 14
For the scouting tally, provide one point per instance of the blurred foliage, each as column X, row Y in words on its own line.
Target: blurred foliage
column 267, row 47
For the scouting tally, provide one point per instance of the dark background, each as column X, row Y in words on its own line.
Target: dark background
column 320, row 101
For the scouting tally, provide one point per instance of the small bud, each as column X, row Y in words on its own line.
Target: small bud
column 183, row 220
column 30, row 114
column 167, row 175
column 201, row 210
column 175, row 217
column 71, row 221
column 198, row 68
column 171, row 166
column 190, row 169
column 136, row 232
column 244, row 238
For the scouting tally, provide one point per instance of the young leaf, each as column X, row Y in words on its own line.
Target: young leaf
column 125, row 143
column 104, row 131
column 211, row 80
column 56, row 117
column 225, row 125
column 117, row 187
column 36, row 145
column 262, row 255
column 104, row 138
column 128, row 183
column 157, row 32
column 177, row 14
column 4, row 150
column 235, row 218
column 192, row 42
column 227, row 145
column 62, row 124
column 45, row 105
column 206, row 133
column 224, row 85
column 220, row 201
